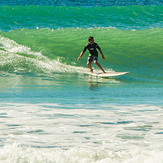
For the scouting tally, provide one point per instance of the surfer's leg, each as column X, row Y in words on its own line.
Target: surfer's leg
column 89, row 62
column 89, row 66
column 96, row 63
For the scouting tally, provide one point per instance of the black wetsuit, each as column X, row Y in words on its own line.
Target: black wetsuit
column 92, row 49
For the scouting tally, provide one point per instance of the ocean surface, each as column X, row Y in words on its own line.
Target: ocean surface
column 52, row 111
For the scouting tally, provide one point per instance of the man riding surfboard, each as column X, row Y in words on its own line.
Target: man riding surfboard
column 93, row 53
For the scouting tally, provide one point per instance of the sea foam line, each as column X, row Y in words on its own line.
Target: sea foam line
column 15, row 153
column 19, row 58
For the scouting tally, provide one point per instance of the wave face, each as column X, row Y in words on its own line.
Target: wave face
column 54, row 17
column 137, row 51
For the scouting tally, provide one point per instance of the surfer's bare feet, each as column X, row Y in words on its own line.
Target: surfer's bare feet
column 91, row 70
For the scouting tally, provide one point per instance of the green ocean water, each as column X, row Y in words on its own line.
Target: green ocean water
column 54, row 17
column 137, row 51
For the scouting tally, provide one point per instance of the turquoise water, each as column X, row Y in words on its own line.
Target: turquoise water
column 54, row 17
column 51, row 110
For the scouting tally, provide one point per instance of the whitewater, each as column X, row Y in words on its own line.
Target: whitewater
column 52, row 111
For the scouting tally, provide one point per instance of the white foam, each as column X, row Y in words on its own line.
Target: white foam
column 13, row 47
column 15, row 153
column 66, row 126
column 30, row 61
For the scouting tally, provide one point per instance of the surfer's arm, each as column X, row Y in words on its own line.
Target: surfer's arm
column 97, row 46
column 81, row 54
column 102, row 54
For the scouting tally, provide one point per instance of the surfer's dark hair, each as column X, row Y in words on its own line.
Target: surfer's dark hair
column 90, row 38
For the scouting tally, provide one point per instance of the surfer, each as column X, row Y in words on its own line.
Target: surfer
column 93, row 53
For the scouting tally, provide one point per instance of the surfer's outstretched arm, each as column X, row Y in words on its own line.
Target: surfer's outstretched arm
column 81, row 54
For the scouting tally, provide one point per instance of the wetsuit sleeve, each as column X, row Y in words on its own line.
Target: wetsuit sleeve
column 97, row 46
column 85, row 48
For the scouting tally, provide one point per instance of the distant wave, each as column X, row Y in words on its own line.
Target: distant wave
column 81, row 2
column 121, row 17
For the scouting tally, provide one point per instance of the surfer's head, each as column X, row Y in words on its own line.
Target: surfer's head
column 91, row 39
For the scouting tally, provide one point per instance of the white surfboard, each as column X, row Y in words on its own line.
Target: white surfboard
column 108, row 74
